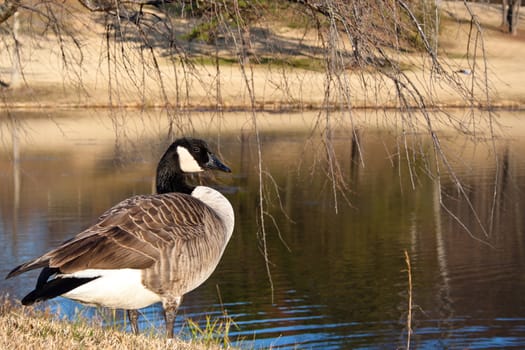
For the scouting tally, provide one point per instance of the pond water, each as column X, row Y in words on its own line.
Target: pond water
column 339, row 277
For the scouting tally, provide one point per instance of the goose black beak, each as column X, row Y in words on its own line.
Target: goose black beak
column 215, row 164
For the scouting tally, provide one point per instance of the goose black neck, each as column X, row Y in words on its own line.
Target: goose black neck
column 170, row 178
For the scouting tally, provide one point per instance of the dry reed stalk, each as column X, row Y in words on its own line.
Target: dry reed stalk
column 409, row 315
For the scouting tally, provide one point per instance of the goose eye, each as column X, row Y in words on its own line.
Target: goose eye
column 196, row 149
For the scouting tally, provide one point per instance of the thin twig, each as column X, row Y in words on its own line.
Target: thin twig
column 248, row 80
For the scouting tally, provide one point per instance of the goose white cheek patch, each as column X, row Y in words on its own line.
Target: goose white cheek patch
column 188, row 164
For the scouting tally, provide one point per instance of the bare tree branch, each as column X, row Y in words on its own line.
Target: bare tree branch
column 108, row 5
column 8, row 8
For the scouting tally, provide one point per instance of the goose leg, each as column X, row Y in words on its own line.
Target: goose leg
column 133, row 316
column 170, row 305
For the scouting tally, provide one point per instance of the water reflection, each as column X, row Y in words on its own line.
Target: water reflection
column 343, row 283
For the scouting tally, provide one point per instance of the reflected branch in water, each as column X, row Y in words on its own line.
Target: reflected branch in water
column 16, row 171
column 501, row 181
column 356, row 159
column 446, row 311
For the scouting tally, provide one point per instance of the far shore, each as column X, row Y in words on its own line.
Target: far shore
column 48, row 84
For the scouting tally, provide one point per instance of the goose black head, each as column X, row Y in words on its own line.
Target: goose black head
column 185, row 156
column 195, row 156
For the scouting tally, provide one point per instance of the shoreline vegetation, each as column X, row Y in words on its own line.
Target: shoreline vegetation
column 27, row 328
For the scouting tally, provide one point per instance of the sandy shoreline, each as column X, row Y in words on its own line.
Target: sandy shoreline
column 50, row 84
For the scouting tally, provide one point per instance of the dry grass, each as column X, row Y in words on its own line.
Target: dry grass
column 26, row 328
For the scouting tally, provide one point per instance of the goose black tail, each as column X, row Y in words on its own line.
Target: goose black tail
column 55, row 287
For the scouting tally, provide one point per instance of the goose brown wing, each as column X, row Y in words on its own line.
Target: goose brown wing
column 129, row 235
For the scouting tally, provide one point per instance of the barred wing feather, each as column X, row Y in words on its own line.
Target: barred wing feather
column 133, row 233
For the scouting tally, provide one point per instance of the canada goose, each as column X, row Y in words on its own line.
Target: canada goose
column 147, row 248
